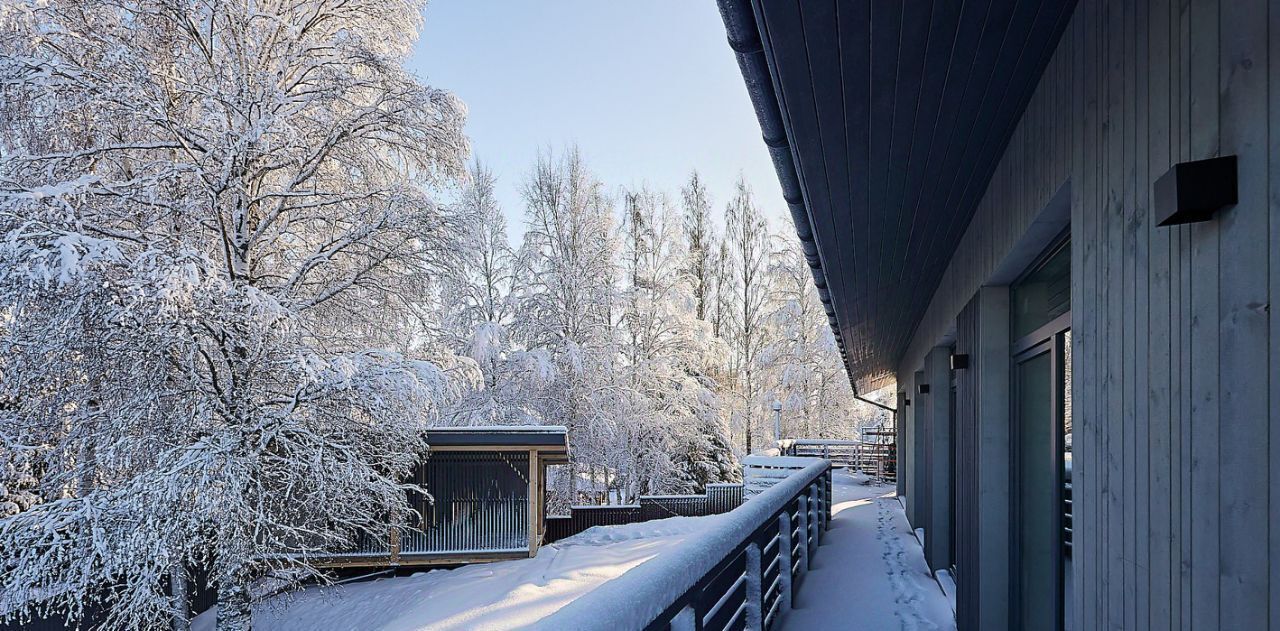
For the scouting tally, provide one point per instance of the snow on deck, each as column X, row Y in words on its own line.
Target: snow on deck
column 869, row 573
column 499, row 595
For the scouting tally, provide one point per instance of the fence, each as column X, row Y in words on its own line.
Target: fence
column 581, row 518
column 720, row 498
column 740, row 573
column 841, row 453
column 875, row 456
column 759, row 473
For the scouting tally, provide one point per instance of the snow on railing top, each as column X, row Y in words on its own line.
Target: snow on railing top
column 777, row 462
column 821, row 441
column 761, row 472
column 643, row 593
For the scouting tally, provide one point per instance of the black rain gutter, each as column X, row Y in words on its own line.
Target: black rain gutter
column 744, row 38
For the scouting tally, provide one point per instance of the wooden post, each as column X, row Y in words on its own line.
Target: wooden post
column 815, row 520
column 784, row 561
column 686, row 620
column 820, row 525
column 803, row 515
column 755, row 595
column 535, row 502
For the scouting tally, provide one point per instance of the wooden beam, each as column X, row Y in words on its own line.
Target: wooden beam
column 535, row 502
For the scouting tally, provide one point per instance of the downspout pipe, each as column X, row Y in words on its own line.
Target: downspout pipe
column 870, row 402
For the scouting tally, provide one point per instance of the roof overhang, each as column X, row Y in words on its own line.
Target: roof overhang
column 885, row 122
column 551, row 439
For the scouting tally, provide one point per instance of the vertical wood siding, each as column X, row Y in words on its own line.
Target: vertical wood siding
column 479, row 503
column 968, row 470
column 1177, row 392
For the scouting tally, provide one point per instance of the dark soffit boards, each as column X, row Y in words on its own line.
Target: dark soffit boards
column 885, row 120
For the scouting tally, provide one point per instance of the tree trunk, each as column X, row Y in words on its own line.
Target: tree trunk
column 235, row 612
column 178, row 591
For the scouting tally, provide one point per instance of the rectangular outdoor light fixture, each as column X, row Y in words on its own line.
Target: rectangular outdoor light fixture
column 959, row 362
column 923, row 388
column 1194, row 191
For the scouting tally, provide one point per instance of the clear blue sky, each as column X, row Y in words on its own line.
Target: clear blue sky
column 648, row 89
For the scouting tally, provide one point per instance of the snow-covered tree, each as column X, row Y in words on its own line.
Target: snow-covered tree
column 798, row 365
column 721, row 289
column 566, row 302
column 217, row 230
column 477, row 306
column 703, row 454
column 801, row 364
column 700, row 236
column 666, row 350
column 477, row 292
column 746, row 295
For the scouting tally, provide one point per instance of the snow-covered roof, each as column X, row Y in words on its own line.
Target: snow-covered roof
column 515, row 429
column 543, row 436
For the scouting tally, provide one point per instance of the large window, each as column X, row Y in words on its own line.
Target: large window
column 1041, row 431
column 1043, row 295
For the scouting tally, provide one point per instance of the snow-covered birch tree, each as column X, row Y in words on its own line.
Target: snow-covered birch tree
column 700, row 236
column 216, row 228
column 478, row 291
column 674, row 439
column 477, row 307
column 567, row 302
column 797, row 362
column 747, row 251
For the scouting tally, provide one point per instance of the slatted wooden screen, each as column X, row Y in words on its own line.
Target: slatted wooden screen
column 479, row 503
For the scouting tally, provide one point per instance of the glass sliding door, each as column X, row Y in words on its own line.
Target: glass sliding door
column 1038, row 479
column 1040, row 444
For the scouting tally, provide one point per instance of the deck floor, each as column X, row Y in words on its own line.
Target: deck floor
column 870, row 572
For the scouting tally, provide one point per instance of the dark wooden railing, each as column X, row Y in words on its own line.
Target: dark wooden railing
column 581, row 518
column 740, row 573
column 720, row 498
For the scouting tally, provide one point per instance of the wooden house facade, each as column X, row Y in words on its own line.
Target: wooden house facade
column 1055, row 225
column 487, row 500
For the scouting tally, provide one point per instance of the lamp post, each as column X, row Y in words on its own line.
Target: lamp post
column 777, row 420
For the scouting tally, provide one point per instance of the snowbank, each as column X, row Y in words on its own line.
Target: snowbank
column 501, row 595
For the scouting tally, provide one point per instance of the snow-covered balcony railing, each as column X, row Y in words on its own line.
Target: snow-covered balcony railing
column 742, row 572
column 846, row 453
column 721, row 497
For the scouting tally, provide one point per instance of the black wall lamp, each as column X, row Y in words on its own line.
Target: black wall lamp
column 959, row 362
column 923, row 388
column 1195, row 191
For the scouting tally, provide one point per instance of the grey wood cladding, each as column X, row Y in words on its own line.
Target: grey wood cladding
column 1177, row 387
column 937, row 411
